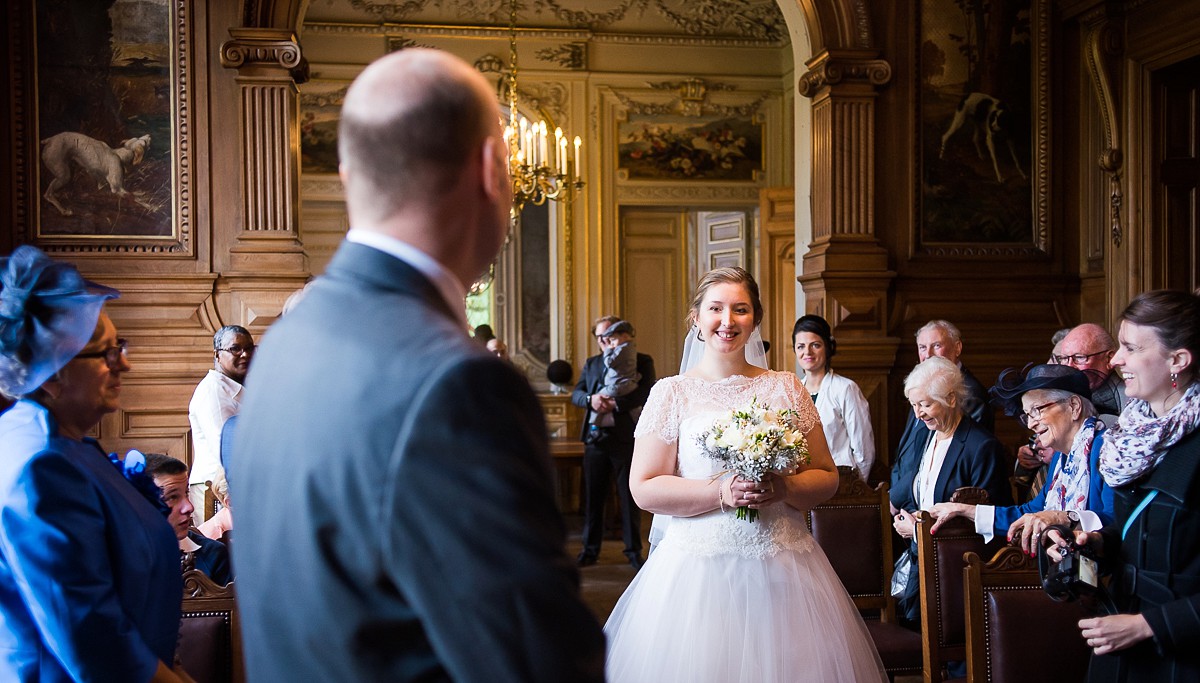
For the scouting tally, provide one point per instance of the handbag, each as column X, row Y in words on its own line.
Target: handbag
column 902, row 573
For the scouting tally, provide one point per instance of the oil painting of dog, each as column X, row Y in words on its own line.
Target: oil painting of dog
column 990, row 121
column 977, row 84
column 106, row 165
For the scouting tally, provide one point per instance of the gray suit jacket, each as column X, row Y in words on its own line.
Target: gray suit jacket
column 396, row 516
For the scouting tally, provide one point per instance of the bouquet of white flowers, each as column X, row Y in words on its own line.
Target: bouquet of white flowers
column 755, row 441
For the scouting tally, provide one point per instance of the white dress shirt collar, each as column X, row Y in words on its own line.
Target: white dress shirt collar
column 447, row 284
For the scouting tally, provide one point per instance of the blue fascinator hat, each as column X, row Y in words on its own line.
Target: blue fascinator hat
column 48, row 312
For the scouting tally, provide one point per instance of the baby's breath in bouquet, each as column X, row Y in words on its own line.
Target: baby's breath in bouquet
column 755, row 441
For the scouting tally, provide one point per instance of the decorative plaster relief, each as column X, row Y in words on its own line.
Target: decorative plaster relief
column 691, row 100
column 687, row 193
column 568, row 55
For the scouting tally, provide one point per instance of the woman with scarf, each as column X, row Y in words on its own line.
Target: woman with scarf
column 1151, row 458
column 1054, row 402
column 89, row 568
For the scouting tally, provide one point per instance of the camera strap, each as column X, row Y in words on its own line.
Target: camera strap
column 1137, row 511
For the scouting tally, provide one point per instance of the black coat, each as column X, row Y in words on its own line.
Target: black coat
column 1156, row 571
column 590, row 381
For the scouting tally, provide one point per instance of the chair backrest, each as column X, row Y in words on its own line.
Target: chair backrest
column 1015, row 632
column 940, row 567
column 210, row 501
column 854, row 530
column 210, row 638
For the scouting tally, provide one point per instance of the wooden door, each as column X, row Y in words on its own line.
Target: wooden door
column 653, row 281
column 1175, row 245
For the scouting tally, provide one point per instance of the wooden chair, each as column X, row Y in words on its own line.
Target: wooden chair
column 854, row 529
column 210, row 638
column 940, row 565
column 1015, row 632
column 210, row 501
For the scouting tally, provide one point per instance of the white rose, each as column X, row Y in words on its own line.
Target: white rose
column 733, row 438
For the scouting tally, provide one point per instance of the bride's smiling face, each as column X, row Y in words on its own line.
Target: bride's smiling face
column 726, row 317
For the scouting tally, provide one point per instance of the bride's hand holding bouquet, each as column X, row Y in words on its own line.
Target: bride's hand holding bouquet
column 757, row 444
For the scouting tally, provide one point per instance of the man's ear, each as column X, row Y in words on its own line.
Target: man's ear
column 493, row 169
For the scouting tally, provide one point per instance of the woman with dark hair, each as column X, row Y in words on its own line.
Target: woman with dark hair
column 89, row 569
column 1151, row 458
column 844, row 412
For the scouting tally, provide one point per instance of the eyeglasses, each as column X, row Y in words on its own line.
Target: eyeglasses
column 1078, row 358
column 1035, row 413
column 113, row 355
column 237, row 350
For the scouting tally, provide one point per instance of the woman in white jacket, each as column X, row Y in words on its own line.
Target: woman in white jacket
column 843, row 409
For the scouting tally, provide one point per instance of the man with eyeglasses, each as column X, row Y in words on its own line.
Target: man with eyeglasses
column 1089, row 347
column 217, row 398
column 608, row 444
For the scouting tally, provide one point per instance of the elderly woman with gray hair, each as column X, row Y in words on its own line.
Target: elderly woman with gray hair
column 959, row 453
column 89, row 567
column 1054, row 402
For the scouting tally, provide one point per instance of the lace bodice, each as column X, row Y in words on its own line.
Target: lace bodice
column 678, row 410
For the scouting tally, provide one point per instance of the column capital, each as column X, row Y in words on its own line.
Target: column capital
column 837, row 67
column 261, row 51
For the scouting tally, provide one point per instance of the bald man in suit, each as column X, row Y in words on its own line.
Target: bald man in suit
column 396, row 514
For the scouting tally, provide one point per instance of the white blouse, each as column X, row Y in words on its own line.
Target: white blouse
column 846, row 419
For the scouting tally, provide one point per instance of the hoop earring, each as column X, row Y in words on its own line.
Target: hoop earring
column 698, row 337
column 1174, row 377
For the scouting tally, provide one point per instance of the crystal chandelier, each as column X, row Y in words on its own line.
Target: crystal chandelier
column 540, row 168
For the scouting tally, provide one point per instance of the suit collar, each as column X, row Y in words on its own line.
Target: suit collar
column 386, row 272
column 447, row 283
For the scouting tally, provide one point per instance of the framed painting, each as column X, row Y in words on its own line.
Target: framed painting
column 983, row 127
column 710, row 147
column 320, row 112
column 102, row 135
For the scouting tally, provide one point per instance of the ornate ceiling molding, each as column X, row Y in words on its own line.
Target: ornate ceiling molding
column 760, row 19
column 338, row 28
column 830, row 69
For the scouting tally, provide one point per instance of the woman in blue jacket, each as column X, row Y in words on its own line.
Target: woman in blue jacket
column 89, row 569
column 1054, row 402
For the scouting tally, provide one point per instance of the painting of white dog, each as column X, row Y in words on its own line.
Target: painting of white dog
column 106, row 165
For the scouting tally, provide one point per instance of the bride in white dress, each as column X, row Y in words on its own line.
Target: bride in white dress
column 722, row 600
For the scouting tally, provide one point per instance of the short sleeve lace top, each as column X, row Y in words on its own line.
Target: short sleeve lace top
column 681, row 408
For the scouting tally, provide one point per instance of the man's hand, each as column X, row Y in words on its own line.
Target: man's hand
column 603, row 404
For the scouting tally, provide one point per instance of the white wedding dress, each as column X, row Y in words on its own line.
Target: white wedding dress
column 722, row 600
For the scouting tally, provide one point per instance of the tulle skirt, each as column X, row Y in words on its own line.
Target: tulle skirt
column 728, row 619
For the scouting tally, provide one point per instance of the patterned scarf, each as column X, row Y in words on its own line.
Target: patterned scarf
column 1073, row 478
column 1141, row 439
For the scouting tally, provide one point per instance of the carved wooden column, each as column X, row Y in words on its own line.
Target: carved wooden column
column 269, row 65
column 845, row 271
column 263, row 262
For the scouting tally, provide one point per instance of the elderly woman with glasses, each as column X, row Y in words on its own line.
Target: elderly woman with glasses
column 1054, row 402
column 89, row 568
